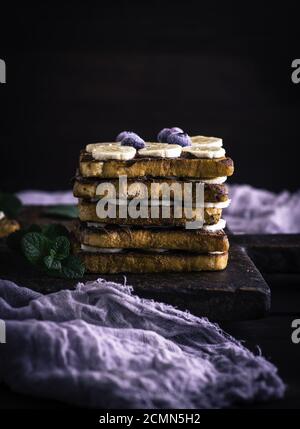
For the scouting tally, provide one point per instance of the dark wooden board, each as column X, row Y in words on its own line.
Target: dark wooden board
column 239, row 292
column 273, row 253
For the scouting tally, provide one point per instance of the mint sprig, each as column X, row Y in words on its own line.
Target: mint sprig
column 71, row 269
column 48, row 249
column 34, row 246
column 60, row 249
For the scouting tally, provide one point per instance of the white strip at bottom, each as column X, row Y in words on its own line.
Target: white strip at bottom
column 216, row 227
column 95, row 249
column 210, row 228
column 215, row 180
column 219, row 205
column 165, row 203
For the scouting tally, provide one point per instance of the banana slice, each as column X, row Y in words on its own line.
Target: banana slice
column 199, row 152
column 90, row 147
column 161, row 150
column 207, row 142
column 105, row 151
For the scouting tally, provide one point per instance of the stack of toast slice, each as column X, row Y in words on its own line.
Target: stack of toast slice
column 153, row 243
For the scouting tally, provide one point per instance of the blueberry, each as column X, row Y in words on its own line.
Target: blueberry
column 163, row 135
column 176, row 130
column 125, row 134
column 182, row 139
column 133, row 140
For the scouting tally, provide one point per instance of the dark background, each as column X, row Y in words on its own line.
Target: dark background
column 78, row 74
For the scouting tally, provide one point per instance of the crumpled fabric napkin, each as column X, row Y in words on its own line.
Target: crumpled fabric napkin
column 257, row 211
column 102, row 346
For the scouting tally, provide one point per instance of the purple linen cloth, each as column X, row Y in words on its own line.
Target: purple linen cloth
column 44, row 198
column 256, row 211
column 252, row 211
column 102, row 346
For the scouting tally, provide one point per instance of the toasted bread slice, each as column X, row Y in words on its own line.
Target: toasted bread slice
column 147, row 262
column 183, row 167
column 87, row 213
column 8, row 226
column 87, row 188
column 142, row 238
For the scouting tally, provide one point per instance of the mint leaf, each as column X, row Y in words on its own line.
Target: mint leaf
column 61, row 248
column 34, row 246
column 52, row 263
column 64, row 211
column 54, row 230
column 48, row 248
column 14, row 240
column 72, row 268
column 10, row 204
